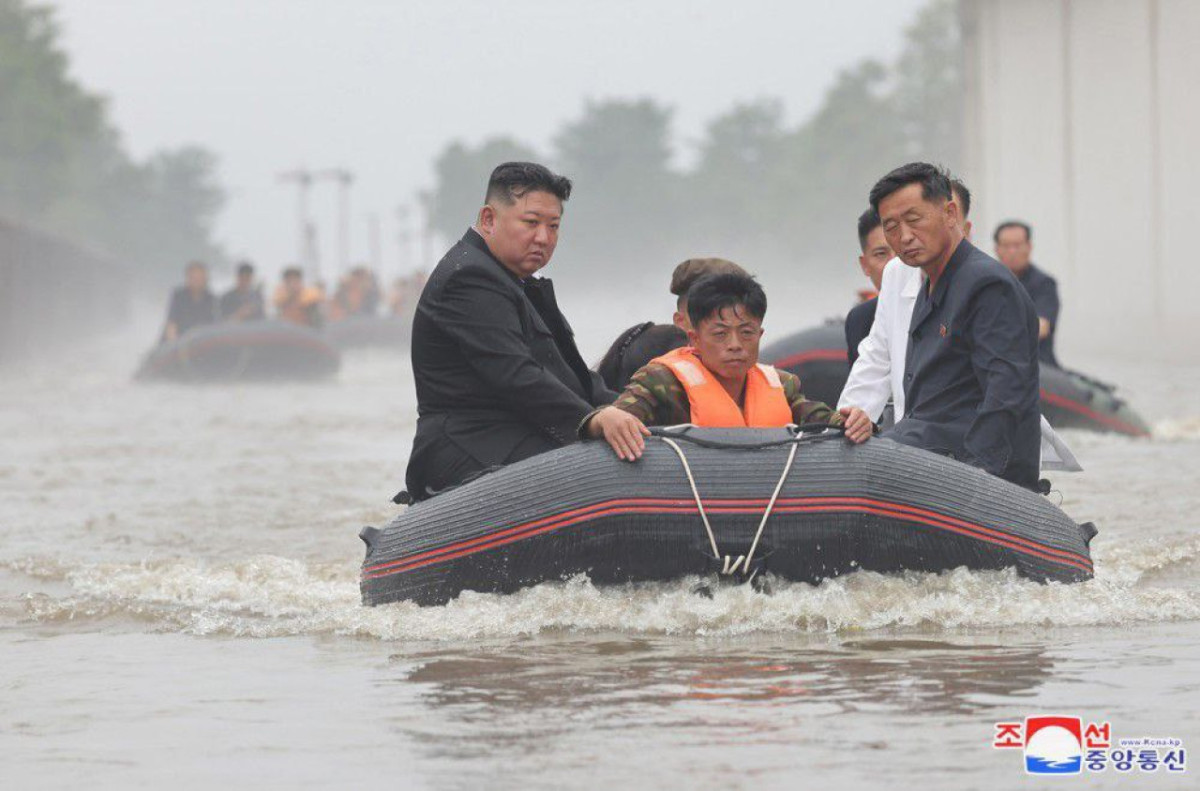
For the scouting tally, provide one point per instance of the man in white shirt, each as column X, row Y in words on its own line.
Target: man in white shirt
column 878, row 374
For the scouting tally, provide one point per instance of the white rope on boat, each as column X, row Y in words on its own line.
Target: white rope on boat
column 687, row 469
column 730, row 565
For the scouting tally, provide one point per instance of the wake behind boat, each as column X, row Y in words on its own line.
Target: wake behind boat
column 746, row 502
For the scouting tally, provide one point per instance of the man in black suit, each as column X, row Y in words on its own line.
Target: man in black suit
column 499, row 378
column 971, row 372
column 875, row 256
column 1014, row 245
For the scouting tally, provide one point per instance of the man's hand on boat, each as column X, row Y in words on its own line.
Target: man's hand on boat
column 857, row 425
column 621, row 430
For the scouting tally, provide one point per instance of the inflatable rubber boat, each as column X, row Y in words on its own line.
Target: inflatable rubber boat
column 738, row 503
column 817, row 355
column 361, row 332
column 245, row 350
column 1069, row 400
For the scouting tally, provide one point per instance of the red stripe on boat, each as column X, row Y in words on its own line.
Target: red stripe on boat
column 685, row 506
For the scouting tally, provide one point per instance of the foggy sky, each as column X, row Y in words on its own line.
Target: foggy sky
column 380, row 87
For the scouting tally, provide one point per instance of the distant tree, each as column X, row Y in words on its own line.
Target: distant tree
column 461, row 175
column 929, row 85
column 64, row 170
column 618, row 154
column 836, row 156
column 734, row 192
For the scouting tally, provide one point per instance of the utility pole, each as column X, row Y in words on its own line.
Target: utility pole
column 344, row 179
column 404, row 237
column 305, row 254
column 373, row 238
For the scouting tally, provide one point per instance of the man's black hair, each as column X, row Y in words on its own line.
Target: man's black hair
column 1013, row 224
column 934, row 181
column 963, row 195
column 292, row 271
column 245, row 268
column 867, row 222
column 513, row 180
column 195, row 265
column 714, row 293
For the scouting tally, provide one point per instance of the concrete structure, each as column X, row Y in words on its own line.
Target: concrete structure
column 1083, row 118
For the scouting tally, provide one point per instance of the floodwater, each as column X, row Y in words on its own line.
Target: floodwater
column 179, row 606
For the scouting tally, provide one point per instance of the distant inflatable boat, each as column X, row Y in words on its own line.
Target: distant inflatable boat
column 249, row 350
column 818, row 356
column 1069, row 400
column 362, row 332
column 740, row 503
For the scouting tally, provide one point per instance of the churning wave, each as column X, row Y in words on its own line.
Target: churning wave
column 270, row 596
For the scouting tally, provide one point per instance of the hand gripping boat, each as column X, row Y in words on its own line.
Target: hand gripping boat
column 734, row 502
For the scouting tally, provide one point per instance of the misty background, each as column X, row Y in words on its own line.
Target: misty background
column 148, row 134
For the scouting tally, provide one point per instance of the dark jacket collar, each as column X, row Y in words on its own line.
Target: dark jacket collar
column 961, row 253
column 473, row 238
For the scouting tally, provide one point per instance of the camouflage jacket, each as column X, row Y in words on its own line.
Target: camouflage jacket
column 656, row 397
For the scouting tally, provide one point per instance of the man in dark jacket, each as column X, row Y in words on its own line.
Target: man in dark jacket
column 971, row 373
column 499, row 378
column 1014, row 246
column 192, row 304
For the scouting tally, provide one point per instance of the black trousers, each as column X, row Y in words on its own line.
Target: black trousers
column 448, row 466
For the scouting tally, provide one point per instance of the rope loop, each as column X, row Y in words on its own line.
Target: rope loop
column 731, row 566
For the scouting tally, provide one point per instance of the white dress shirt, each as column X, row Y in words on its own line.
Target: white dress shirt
column 878, row 373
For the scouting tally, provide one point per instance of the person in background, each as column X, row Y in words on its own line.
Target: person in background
column 371, row 293
column 192, row 304
column 498, row 376
column 243, row 302
column 971, row 373
column 641, row 343
column 875, row 256
column 354, row 296
column 296, row 302
column 405, row 292
column 1014, row 246
column 717, row 381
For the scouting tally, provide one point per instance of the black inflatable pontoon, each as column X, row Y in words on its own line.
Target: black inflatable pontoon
column 360, row 332
column 818, row 356
column 1069, row 400
column 878, row 506
column 246, row 350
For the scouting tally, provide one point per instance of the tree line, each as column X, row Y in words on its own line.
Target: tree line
column 758, row 189
column 64, row 169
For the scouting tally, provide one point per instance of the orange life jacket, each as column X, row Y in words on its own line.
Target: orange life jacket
column 766, row 405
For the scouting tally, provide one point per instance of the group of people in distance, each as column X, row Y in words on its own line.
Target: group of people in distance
column 954, row 342
column 193, row 304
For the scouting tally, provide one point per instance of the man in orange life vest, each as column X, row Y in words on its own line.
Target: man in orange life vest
column 717, row 381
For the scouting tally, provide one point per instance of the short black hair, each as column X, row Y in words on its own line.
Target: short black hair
column 245, row 268
column 513, row 180
column 934, row 181
column 292, row 271
column 195, row 265
column 867, row 222
column 964, row 196
column 1013, row 224
column 714, row 293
